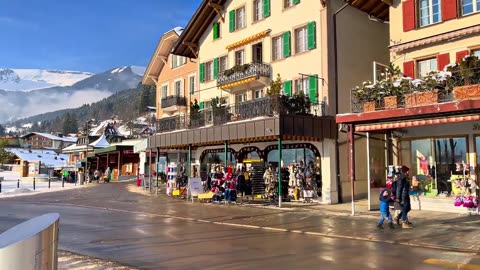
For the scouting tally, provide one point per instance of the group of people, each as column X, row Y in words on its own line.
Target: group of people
column 398, row 197
column 97, row 175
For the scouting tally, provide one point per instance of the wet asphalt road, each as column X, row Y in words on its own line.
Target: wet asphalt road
column 109, row 222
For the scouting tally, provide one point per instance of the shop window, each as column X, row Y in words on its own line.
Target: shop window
column 240, row 57
column 293, row 156
column 470, row 6
column 429, row 12
column 434, row 160
column 424, row 67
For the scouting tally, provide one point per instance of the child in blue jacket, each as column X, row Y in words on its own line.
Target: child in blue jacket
column 385, row 198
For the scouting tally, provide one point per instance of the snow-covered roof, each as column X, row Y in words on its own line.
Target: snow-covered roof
column 74, row 148
column 52, row 137
column 101, row 142
column 47, row 157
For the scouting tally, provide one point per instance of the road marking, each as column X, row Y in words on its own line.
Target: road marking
column 451, row 264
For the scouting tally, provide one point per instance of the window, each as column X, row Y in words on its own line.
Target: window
column 178, row 88
column 223, row 64
column 240, row 18
column 302, row 85
column 240, row 98
column 178, row 61
column 301, row 39
column 257, row 53
column 257, row 10
column 240, row 57
column 258, row 93
column 426, row 66
column 470, row 6
column 476, row 53
column 289, row 3
column 164, row 90
column 429, row 12
column 216, row 30
column 191, row 85
column 277, row 50
column 209, row 71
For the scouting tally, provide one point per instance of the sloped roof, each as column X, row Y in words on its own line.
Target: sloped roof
column 101, row 142
column 52, row 137
column 47, row 157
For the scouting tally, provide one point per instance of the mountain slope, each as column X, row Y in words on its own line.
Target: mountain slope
column 21, row 104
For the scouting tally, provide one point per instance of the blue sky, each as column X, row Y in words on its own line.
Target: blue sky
column 86, row 35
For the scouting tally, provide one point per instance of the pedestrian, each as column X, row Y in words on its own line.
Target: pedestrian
column 96, row 175
column 107, row 175
column 385, row 198
column 402, row 197
column 396, row 205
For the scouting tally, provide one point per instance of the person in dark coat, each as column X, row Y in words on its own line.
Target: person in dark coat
column 402, row 196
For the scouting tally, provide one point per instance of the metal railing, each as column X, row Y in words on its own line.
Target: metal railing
column 241, row 72
column 173, row 101
column 31, row 245
column 226, row 113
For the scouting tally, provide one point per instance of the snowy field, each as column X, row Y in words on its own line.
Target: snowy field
column 9, row 186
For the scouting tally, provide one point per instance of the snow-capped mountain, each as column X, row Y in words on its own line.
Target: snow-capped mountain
column 32, row 79
column 94, row 87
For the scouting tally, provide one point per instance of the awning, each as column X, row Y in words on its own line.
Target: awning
column 248, row 40
column 417, row 123
column 240, row 82
column 435, row 39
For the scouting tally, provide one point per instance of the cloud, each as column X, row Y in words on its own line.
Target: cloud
column 18, row 23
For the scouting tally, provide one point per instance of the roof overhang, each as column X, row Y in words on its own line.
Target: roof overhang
column 442, row 113
column 375, row 8
column 159, row 58
column 289, row 127
column 187, row 44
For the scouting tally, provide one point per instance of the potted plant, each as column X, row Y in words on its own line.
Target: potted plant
column 391, row 87
column 424, row 92
column 369, row 95
column 466, row 79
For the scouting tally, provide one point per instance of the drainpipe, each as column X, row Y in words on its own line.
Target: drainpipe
column 335, row 62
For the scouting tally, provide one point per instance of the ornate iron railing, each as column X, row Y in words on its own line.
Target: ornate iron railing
column 173, row 101
column 241, row 72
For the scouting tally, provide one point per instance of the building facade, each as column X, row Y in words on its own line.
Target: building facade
column 306, row 48
column 47, row 141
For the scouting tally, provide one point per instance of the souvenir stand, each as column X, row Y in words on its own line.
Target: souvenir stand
column 464, row 188
column 303, row 182
column 256, row 177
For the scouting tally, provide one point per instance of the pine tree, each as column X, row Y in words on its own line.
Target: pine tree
column 2, row 130
column 70, row 124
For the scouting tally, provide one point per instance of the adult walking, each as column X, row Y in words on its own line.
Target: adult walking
column 402, row 196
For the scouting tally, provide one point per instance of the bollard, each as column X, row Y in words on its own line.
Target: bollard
column 0, row 186
column 63, row 181
column 18, row 183
column 49, row 182
column 33, row 183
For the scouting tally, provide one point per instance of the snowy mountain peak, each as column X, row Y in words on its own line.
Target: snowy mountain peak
column 32, row 79
column 134, row 69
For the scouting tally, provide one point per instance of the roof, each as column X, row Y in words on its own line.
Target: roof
column 100, row 142
column 160, row 56
column 51, row 137
column 196, row 27
column 74, row 148
column 47, row 157
column 375, row 8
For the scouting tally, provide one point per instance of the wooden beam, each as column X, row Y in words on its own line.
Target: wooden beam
column 218, row 8
column 153, row 79
column 192, row 47
column 388, row 2
column 164, row 59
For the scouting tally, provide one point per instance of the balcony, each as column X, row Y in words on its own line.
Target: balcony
column 171, row 103
column 255, row 74
column 228, row 113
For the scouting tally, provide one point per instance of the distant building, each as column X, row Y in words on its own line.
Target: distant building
column 39, row 140
column 36, row 161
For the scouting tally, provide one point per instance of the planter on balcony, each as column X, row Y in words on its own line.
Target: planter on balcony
column 421, row 98
column 369, row 106
column 467, row 92
column 391, row 102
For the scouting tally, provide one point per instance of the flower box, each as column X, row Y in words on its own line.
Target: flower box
column 421, row 98
column 369, row 106
column 467, row 92
column 391, row 102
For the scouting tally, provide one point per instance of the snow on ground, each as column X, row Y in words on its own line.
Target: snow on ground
column 9, row 186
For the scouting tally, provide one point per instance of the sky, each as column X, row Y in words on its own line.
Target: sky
column 86, row 35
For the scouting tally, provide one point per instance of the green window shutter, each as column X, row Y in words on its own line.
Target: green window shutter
column 286, row 44
column 296, row 2
column 215, row 31
column 215, row 68
column 202, row 105
column 311, row 32
column 202, row 72
column 313, row 91
column 232, row 20
column 266, row 8
column 287, row 88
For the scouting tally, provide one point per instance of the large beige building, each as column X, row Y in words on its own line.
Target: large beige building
column 319, row 48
